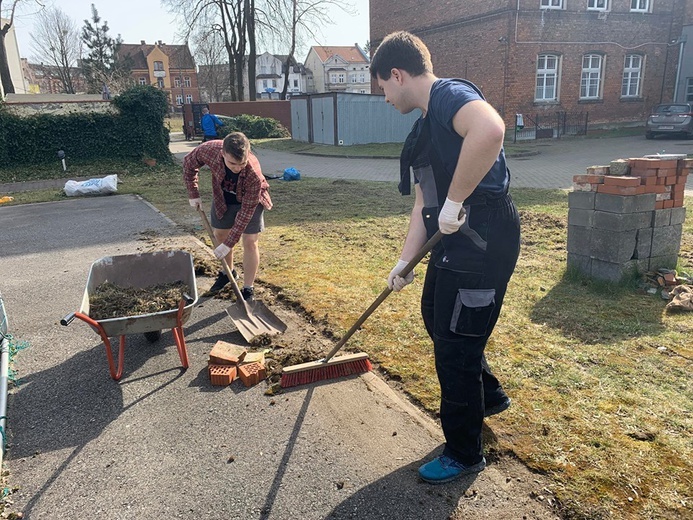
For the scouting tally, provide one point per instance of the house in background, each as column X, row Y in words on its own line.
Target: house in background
column 15, row 64
column 45, row 79
column 614, row 59
column 269, row 79
column 338, row 69
column 168, row 67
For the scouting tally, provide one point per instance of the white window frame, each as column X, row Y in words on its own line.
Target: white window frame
column 143, row 80
column 544, row 73
column 640, row 6
column 179, row 99
column 188, row 99
column 689, row 90
column 591, row 76
column 551, row 4
column 597, row 5
column 176, row 82
column 160, row 83
column 158, row 65
column 264, row 83
column 341, row 77
column 632, row 73
column 187, row 82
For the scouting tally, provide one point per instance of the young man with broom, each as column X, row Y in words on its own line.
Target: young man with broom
column 461, row 188
column 240, row 196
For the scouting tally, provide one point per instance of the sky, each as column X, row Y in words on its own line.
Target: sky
column 137, row 20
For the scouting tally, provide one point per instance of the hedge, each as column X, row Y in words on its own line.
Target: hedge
column 136, row 131
column 254, row 127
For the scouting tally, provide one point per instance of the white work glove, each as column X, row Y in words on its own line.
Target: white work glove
column 396, row 282
column 451, row 217
column 221, row 251
column 195, row 203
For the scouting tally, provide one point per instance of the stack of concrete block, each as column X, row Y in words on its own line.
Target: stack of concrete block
column 620, row 224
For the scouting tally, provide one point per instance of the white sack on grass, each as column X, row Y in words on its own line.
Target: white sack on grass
column 108, row 184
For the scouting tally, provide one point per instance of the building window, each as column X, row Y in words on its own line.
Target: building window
column 160, row 82
column 333, row 78
column 186, row 81
column 158, row 65
column 689, row 90
column 640, row 6
column 632, row 71
column 552, row 4
column 143, row 80
column 597, row 5
column 295, row 83
column 547, row 78
column 341, row 78
column 179, row 99
column 188, row 99
column 590, row 82
column 264, row 83
column 274, row 83
column 176, row 82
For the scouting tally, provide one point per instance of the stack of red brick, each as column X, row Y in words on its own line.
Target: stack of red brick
column 227, row 361
column 665, row 177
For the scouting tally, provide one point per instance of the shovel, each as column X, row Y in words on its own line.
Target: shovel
column 251, row 319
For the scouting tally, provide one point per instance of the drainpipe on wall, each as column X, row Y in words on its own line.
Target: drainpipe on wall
column 682, row 43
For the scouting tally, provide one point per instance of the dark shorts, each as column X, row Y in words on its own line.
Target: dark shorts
column 256, row 224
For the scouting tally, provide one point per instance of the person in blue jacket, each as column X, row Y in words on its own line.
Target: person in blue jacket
column 209, row 123
column 461, row 186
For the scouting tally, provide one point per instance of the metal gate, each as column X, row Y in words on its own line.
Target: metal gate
column 552, row 126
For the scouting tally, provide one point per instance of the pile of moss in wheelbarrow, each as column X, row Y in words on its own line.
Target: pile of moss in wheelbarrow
column 112, row 301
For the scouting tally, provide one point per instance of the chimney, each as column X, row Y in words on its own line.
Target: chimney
column 142, row 42
column 159, row 42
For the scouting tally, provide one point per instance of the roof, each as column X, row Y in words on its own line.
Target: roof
column 352, row 54
column 179, row 56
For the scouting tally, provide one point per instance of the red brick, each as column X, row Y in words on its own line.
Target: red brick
column 681, row 179
column 666, row 172
column 641, row 163
column 643, row 172
column 649, row 181
column 221, row 375
column 688, row 163
column 668, row 204
column 661, row 180
column 611, row 180
column 621, row 190
column 252, row 373
column 678, row 189
column 659, row 204
column 670, row 180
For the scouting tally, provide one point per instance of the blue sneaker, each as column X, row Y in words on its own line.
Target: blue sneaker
column 444, row 469
column 497, row 408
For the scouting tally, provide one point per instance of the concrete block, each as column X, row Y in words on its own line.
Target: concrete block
column 224, row 353
column 581, row 200
column 621, row 221
column 661, row 217
column 579, row 240
column 580, row 217
column 666, row 240
column 612, row 246
column 581, row 263
column 624, row 203
column 678, row 216
column 643, row 246
column 666, row 262
column 613, row 272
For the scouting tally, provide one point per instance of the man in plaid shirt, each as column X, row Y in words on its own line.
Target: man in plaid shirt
column 240, row 196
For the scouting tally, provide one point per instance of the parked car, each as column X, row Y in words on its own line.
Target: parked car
column 670, row 118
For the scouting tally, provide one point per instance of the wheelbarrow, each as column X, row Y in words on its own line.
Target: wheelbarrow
column 140, row 271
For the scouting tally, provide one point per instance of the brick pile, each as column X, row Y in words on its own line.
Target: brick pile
column 630, row 222
column 664, row 177
column 227, row 361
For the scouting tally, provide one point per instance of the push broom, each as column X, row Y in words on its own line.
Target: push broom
column 331, row 367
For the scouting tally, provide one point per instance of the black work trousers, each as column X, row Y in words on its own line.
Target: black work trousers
column 462, row 297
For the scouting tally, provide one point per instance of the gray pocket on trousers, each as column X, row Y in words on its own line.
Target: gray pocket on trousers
column 473, row 310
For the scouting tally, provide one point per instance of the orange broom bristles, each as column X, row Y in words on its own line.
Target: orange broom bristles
column 330, row 370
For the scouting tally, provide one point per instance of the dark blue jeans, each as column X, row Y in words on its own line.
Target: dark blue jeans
column 462, row 297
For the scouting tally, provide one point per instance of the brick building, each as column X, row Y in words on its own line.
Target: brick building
column 168, row 67
column 612, row 58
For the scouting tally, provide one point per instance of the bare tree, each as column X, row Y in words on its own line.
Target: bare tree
column 211, row 57
column 230, row 19
column 56, row 43
column 5, row 77
column 298, row 20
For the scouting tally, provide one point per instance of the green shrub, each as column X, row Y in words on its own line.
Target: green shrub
column 137, row 130
column 254, row 127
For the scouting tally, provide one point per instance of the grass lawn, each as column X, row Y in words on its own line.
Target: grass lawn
column 600, row 375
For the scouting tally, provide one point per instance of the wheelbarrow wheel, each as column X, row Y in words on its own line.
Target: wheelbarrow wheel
column 152, row 336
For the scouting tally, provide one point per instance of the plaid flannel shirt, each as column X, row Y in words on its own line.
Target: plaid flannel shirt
column 252, row 188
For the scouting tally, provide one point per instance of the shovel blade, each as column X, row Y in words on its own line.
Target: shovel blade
column 254, row 319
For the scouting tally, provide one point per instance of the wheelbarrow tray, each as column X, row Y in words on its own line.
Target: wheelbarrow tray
column 140, row 271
